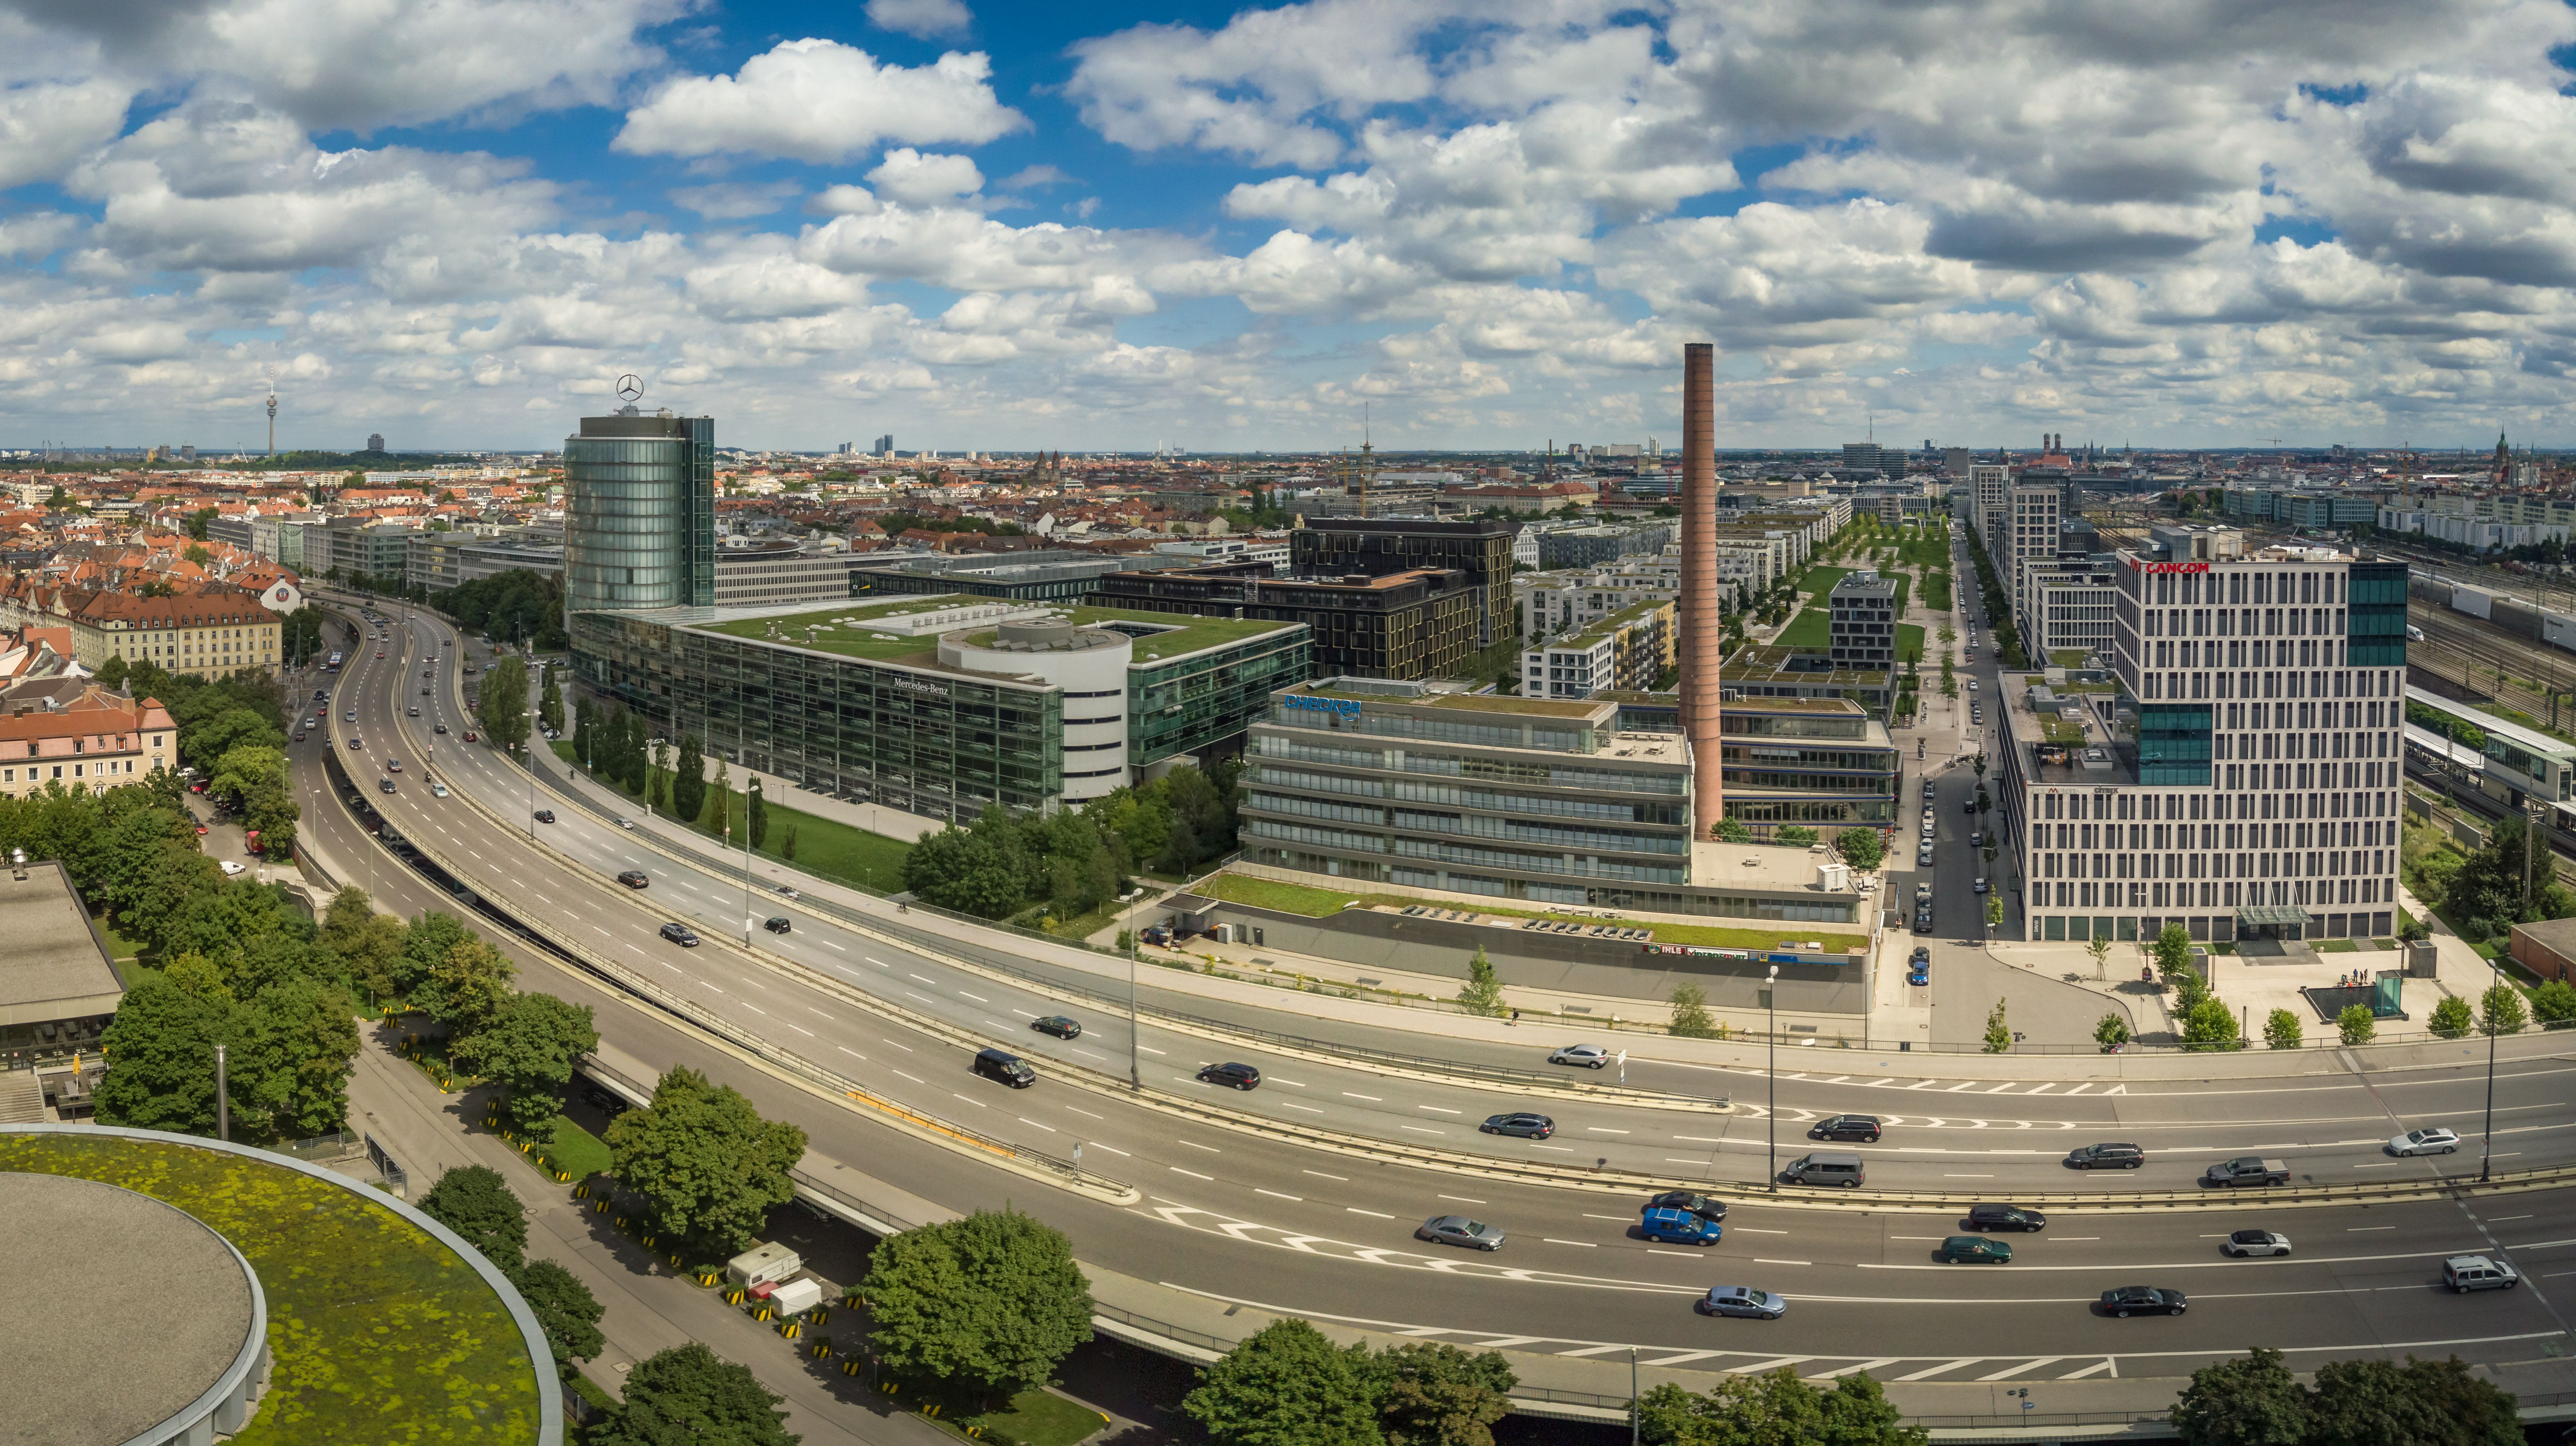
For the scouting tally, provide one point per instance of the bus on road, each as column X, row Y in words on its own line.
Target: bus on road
column 333, row 666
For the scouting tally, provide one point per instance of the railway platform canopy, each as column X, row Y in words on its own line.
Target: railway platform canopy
column 2530, row 763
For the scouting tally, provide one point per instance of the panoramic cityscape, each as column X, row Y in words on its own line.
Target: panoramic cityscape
column 748, row 727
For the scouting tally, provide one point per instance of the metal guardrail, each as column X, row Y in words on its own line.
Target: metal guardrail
column 704, row 1019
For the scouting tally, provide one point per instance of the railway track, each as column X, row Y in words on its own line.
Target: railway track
column 2468, row 654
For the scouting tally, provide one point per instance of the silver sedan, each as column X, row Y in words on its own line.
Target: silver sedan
column 1459, row 1230
column 1591, row 1056
column 1742, row 1300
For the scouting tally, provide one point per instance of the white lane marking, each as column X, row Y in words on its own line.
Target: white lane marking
column 1113, row 1149
column 924, row 998
column 1839, row 1372
column 1758, row 1260
column 1585, row 1244
column 979, row 1104
column 1078, row 1049
column 1684, row 1356
column 1469, row 1199
column 1701, row 1139
column 1750, row 1230
column 978, row 998
column 916, row 1079
column 2358, row 1229
column 1086, row 1114
column 1420, row 1130
column 904, row 1047
column 1050, row 1129
column 1346, row 1094
column 756, row 1009
column 1355, row 1210
column 1590, row 1351
column 1604, row 1130
column 2030, row 1365
column 1195, row 1145
column 1292, row 1104
column 1275, row 1195
column 828, row 944
column 1291, row 1083
column 1588, row 1215
column 1149, row 1049
column 880, row 963
column 1193, row 1174
column 800, row 1029
column 1437, row 1109
column 810, row 1009
column 1321, row 1175
column 1685, row 1254
column 924, row 979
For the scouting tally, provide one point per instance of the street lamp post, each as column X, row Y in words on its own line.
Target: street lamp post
column 1135, row 1077
column 748, row 795
column 1771, row 999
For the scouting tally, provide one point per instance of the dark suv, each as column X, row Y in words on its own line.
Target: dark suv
column 1863, row 1128
column 634, row 879
column 1241, row 1076
column 1689, row 1203
column 2005, row 1217
column 2106, row 1157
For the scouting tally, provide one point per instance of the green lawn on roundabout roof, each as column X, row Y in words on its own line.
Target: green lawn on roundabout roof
column 377, row 1332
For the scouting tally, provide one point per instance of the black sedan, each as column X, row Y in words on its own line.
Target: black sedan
column 777, row 923
column 545, row 815
column 681, row 934
column 1525, row 1125
column 1059, row 1026
column 1689, row 1202
column 2131, row 1300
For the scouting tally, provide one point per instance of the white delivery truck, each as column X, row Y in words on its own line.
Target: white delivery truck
column 796, row 1297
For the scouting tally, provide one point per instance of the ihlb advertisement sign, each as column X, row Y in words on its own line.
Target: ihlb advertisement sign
column 1347, row 707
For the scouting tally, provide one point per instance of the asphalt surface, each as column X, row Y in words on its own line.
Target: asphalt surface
column 1247, row 1218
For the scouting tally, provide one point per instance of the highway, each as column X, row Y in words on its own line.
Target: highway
column 1286, row 1226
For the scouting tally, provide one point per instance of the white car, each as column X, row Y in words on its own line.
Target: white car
column 229, row 867
column 437, row 789
column 1590, row 1056
column 1981, row 886
column 1972, row 685
column 2434, row 1141
column 2256, row 1242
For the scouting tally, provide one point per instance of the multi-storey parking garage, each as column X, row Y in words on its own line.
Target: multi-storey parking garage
column 1312, row 1185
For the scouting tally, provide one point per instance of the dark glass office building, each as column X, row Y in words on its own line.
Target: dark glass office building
column 640, row 505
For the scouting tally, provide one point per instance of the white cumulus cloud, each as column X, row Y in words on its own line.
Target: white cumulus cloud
column 821, row 101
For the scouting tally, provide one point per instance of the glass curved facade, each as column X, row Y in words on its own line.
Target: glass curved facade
column 639, row 528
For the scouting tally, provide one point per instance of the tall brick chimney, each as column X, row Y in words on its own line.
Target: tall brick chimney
column 1702, row 639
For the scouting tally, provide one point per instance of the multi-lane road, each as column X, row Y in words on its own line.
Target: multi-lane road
column 1284, row 1225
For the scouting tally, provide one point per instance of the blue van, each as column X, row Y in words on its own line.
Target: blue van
column 1679, row 1227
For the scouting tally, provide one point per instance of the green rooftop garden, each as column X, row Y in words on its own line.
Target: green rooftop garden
column 1315, row 903
column 378, row 1332
column 844, row 628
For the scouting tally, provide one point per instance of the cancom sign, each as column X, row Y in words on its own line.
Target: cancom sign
column 2152, row 568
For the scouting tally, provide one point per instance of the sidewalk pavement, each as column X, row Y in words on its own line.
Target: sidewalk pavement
column 883, row 915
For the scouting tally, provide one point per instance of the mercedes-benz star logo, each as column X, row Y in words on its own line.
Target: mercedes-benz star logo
column 630, row 387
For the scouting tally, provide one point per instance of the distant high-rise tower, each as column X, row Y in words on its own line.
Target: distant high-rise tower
column 640, row 503
column 885, row 445
column 375, row 441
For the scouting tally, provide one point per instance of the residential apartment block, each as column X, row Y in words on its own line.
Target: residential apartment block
column 1629, row 649
column 1861, row 621
column 88, row 738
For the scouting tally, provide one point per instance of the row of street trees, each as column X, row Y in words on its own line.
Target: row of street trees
column 231, row 730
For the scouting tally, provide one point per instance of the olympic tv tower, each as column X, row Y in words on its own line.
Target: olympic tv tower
column 272, row 409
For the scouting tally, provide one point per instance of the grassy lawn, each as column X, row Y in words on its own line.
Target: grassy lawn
column 1811, row 628
column 378, row 1332
column 1909, row 639
column 1818, row 581
column 826, row 847
column 2336, row 946
column 1936, row 591
column 1036, row 1417
column 119, row 947
column 577, row 1152
column 1315, row 903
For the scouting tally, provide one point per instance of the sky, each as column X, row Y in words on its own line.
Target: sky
column 1476, row 224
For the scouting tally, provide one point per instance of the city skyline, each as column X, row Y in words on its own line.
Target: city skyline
column 1005, row 227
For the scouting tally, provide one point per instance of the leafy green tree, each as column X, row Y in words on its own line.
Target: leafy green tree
column 528, row 1048
column 2554, row 1002
column 2249, row 1402
column 787, row 843
column 244, row 767
column 2172, row 951
column 708, row 1167
column 2419, row 1403
column 293, row 1064
column 466, row 989
column 160, row 1051
column 476, row 1203
column 2501, row 1010
column 199, row 979
column 2355, row 1024
column 502, row 706
column 720, row 803
column 756, row 815
column 982, row 870
column 1795, row 833
column 688, row 1396
column 1434, row 1394
column 1774, row 1407
column 2112, row 1029
column 1999, row 1039
column 1484, row 992
column 1994, row 902
column 2099, row 946
column 2209, row 1024
column 2281, row 1030
column 368, row 944
column 657, row 787
column 689, row 780
column 219, row 921
column 1286, row 1385
column 565, row 1310
column 991, row 1303
column 550, row 709
column 426, row 944
column 1731, row 830
column 2451, row 1018
column 1861, row 848
column 1690, row 1013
